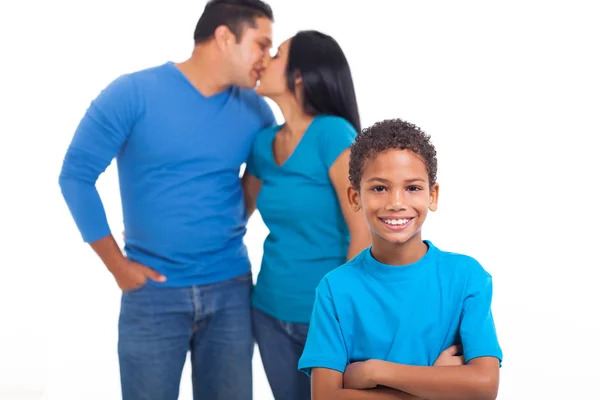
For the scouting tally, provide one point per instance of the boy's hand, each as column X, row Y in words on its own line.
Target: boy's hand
column 449, row 357
column 359, row 375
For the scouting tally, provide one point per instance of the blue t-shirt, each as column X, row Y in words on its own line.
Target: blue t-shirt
column 308, row 235
column 402, row 314
column 179, row 156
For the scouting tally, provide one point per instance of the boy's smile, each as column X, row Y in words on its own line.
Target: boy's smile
column 396, row 223
column 395, row 196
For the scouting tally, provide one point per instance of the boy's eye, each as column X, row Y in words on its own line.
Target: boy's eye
column 413, row 188
column 378, row 188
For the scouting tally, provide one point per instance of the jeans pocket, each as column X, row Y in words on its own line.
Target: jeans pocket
column 135, row 289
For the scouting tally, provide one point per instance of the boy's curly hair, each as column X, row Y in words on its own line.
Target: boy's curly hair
column 388, row 135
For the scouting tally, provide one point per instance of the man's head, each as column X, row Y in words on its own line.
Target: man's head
column 241, row 30
column 393, row 168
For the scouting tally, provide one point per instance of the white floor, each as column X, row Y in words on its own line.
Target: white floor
column 64, row 386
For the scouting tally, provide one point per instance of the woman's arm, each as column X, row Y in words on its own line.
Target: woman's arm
column 327, row 384
column 360, row 237
column 251, row 187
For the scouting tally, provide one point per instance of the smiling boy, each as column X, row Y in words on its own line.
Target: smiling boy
column 381, row 320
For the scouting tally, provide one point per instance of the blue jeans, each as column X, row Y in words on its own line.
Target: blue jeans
column 159, row 325
column 281, row 345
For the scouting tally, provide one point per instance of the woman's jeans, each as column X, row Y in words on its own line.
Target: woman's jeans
column 281, row 345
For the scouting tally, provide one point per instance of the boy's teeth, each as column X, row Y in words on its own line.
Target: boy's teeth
column 396, row 221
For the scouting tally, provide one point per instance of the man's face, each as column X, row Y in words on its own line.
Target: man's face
column 249, row 56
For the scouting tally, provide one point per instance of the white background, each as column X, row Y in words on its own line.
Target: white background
column 509, row 92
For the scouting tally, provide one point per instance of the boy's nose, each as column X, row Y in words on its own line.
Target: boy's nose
column 395, row 200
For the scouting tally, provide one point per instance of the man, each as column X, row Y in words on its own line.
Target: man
column 180, row 133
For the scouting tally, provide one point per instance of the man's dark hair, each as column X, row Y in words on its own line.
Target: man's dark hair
column 235, row 14
column 391, row 134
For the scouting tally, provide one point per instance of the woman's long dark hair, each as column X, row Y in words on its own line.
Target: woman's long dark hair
column 326, row 79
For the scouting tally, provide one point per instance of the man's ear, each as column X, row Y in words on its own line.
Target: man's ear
column 224, row 37
column 434, row 193
column 354, row 199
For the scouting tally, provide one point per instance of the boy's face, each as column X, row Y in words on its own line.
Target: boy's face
column 395, row 196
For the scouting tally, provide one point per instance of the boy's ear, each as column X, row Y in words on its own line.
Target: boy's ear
column 353, row 199
column 434, row 193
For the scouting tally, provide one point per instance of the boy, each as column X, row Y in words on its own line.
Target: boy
column 380, row 321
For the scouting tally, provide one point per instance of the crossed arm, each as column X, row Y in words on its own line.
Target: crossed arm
column 448, row 379
column 378, row 379
column 327, row 384
column 477, row 380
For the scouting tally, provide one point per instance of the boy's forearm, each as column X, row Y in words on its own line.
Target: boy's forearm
column 466, row 382
column 328, row 384
column 366, row 394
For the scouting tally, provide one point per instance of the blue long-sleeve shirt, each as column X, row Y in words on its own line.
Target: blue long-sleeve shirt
column 178, row 155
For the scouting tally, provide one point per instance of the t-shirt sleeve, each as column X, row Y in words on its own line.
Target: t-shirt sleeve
column 325, row 346
column 336, row 135
column 100, row 135
column 477, row 328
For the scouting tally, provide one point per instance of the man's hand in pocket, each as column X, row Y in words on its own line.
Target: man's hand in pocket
column 131, row 275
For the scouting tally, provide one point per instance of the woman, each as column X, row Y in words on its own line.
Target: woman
column 297, row 177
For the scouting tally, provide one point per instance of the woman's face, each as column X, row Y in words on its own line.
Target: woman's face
column 273, row 81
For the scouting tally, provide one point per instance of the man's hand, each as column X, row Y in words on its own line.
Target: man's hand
column 449, row 357
column 131, row 275
column 128, row 274
column 359, row 375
